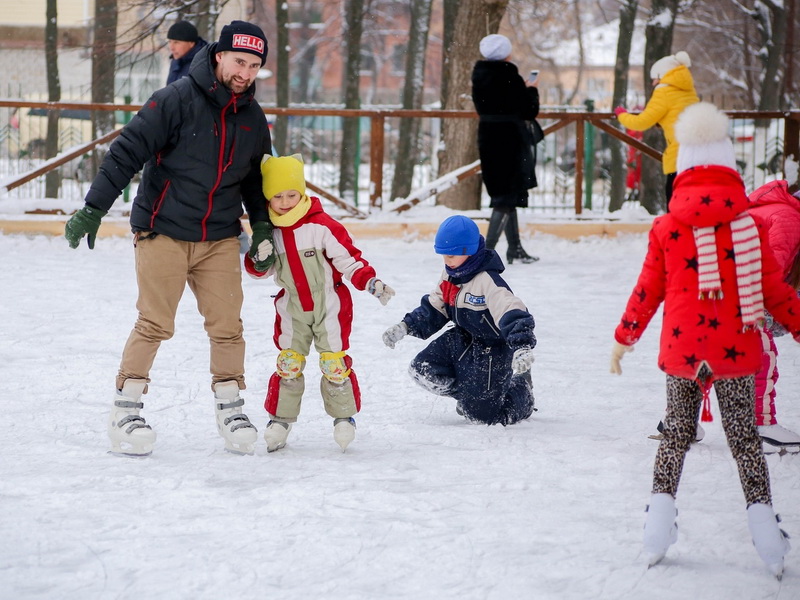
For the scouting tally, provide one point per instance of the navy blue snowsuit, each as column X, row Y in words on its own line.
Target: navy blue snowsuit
column 471, row 361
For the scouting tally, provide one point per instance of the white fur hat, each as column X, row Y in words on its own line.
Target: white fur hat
column 664, row 65
column 702, row 134
column 495, row 47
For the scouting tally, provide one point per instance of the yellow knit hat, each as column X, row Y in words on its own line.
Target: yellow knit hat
column 282, row 173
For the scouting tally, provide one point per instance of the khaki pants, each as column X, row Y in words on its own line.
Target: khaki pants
column 213, row 271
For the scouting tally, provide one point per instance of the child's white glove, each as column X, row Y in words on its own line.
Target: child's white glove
column 380, row 290
column 394, row 334
column 263, row 251
column 522, row 360
column 617, row 352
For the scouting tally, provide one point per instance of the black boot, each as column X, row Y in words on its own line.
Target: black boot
column 497, row 223
column 515, row 250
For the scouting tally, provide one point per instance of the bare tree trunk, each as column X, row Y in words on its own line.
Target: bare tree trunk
column 103, row 69
column 307, row 54
column 281, row 127
column 772, row 24
column 658, row 34
column 627, row 16
column 354, row 27
column 474, row 20
column 205, row 16
column 408, row 142
column 449, row 12
column 53, row 178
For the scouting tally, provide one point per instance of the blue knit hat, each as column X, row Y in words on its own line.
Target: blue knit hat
column 457, row 236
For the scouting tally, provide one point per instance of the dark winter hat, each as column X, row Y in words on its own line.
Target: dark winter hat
column 241, row 36
column 183, row 31
column 457, row 236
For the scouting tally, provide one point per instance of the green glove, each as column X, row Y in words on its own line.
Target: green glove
column 261, row 249
column 85, row 222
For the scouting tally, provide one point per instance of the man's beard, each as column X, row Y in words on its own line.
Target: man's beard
column 236, row 87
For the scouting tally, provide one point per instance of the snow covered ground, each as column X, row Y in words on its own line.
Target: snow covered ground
column 422, row 505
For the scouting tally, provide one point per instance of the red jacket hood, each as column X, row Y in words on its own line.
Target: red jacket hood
column 708, row 196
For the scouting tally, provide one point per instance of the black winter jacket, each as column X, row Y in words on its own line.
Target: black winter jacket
column 504, row 104
column 202, row 146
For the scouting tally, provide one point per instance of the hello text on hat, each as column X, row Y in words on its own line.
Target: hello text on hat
column 241, row 36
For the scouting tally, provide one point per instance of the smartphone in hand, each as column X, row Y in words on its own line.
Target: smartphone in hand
column 534, row 75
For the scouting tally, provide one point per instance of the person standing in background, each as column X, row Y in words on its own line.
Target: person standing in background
column 673, row 90
column 184, row 44
column 504, row 102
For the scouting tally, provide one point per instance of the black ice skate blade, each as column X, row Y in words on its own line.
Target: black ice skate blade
column 129, row 455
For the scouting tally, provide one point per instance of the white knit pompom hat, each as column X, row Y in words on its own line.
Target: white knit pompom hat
column 495, row 47
column 664, row 65
column 702, row 134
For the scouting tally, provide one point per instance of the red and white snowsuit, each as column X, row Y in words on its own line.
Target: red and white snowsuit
column 780, row 212
column 313, row 255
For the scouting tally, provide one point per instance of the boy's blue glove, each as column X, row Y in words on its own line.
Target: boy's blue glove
column 261, row 249
column 522, row 360
column 85, row 222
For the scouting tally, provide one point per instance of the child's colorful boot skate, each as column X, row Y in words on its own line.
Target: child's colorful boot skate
column 129, row 433
column 275, row 435
column 769, row 539
column 344, row 432
column 233, row 425
column 660, row 529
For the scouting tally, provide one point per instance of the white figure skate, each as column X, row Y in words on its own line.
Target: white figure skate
column 769, row 539
column 344, row 432
column 233, row 425
column 129, row 433
column 660, row 529
column 776, row 439
column 275, row 435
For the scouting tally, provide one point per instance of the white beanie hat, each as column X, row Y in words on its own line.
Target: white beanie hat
column 702, row 134
column 495, row 47
column 664, row 65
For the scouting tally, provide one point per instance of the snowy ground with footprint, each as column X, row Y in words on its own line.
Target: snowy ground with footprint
column 422, row 505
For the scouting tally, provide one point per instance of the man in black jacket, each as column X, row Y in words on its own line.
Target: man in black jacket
column 184, row 44
column 201, row 141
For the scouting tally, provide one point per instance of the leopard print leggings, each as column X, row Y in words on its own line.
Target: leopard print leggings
column 736, row 399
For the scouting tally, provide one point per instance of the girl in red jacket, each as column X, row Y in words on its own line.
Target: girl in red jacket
column 780, row 212
column 710, row 264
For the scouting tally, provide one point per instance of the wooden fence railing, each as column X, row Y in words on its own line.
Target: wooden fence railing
column 556, row 120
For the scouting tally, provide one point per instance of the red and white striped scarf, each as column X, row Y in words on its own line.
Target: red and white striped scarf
column 747, row 256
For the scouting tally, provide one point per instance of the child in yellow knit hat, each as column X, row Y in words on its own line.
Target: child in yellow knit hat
column 313, row 252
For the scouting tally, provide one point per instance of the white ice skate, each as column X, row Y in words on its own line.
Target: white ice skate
column 769, row 539
column 129, row 433
column 776, row 439
column 660, row 528
column 344, row 432
column 233, row 425
column 275, row 435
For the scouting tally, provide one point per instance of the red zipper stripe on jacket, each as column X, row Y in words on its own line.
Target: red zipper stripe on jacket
column 220, row 167
column 296, row 268
column 158, row 203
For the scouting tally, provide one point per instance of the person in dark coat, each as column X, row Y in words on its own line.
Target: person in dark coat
column 200, row 141
column 504, row 102
column 184, row 44
column 484, row 360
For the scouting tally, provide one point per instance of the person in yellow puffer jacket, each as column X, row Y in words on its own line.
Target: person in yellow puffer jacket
column 673, row 90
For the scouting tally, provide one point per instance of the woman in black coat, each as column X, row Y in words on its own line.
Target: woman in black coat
column 504, row 102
